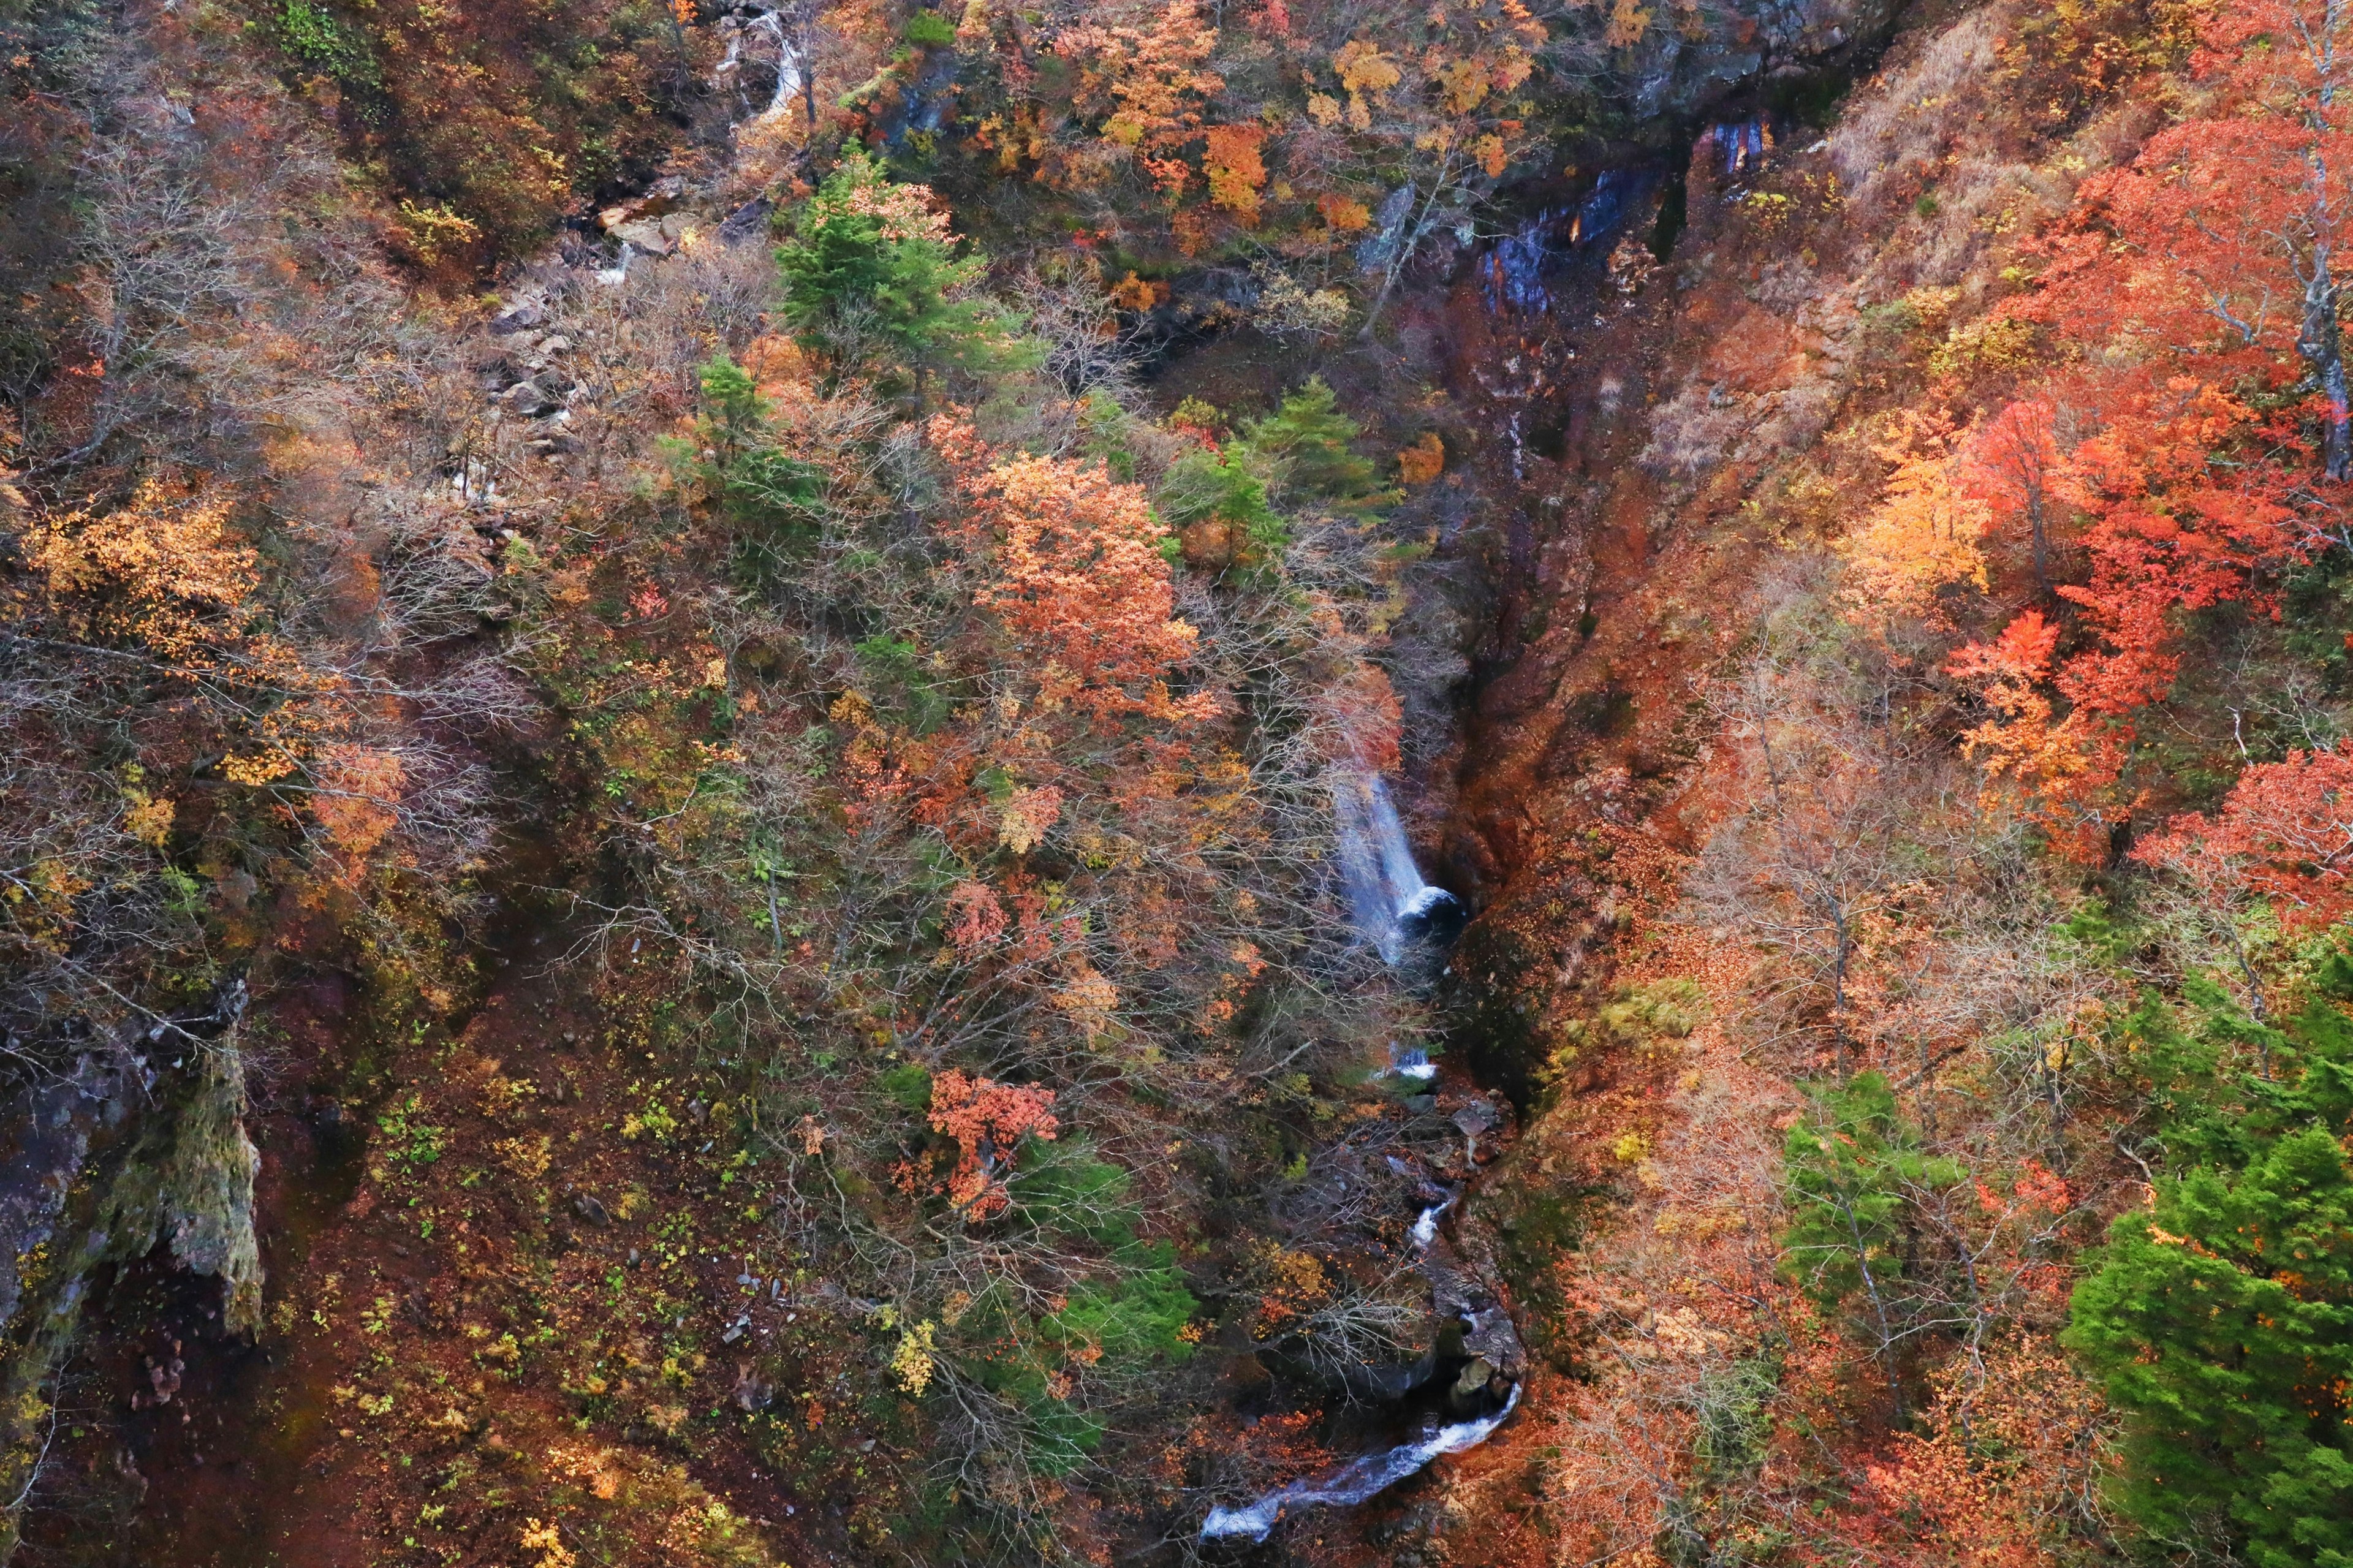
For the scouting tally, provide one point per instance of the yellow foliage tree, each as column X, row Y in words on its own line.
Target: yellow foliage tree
column 1923, row 539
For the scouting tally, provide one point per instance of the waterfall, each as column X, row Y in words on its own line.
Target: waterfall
column 789, row 66
column 1392, row 905
column 1355, row 1481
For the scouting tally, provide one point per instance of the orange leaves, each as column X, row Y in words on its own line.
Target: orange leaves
column 157, row 571
column 988, row 1119
column 2285, row 834
column 1089, row 998
column 355, row 797
column 1028, row 815
column 1236, row 171
column 1150, row 81
column 1132, row 293
column 975, row 918
column 1345, row 216
column 2005, row 1456
column 1422, row 462
column 2055, row 761
column 1074, row 573
column 165, row 577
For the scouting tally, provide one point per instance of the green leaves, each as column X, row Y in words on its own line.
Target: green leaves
column 1310, row 439
column 2221, row 1318
column 2222, row 1321
column 1854, row 1166
column 871, row 272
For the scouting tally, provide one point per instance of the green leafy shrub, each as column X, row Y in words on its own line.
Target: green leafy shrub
column 929, row 30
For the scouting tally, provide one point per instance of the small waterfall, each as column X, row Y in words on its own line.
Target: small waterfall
column 1355, row 1481
column 789, row 66
column 1394, row 908
column 1518, row 271
column 1742, row 144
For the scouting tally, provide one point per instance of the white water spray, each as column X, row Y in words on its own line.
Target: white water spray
column 1385, row 891
column 789, row 66
column 1354, row 1481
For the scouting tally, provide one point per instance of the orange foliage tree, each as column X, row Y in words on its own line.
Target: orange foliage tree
column 2285, row 834
column 2198, row 285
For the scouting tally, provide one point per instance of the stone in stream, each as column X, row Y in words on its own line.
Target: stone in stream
column 1470, row 1387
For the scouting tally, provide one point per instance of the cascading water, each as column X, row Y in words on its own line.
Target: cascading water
column 1402, row 915
column 789, row 66
column 1355, row 1481
column 1394, row 908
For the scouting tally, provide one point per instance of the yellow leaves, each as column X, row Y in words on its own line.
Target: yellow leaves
column 548, row 1541
column 1629, row 20
column 529, row 1158
column 1920, row 541
column 257, row 767
column 1462, row 85
column 1491, row 154
column 1090, row 1000
column 1423, row 461
column 911, row 1363
column 1364, row 68
column 437, row 234
column 1366, row 74
column 1027, row 816
column 147, row 818
column 1323, row 109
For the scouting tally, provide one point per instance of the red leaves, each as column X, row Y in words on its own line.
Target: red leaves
column 2285, row 834
column 975, row 918
column 988, row 1119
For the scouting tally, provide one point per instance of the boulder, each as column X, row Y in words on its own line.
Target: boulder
column 645, row 235
column 531, row 399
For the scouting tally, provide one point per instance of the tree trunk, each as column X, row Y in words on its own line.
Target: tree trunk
column 2321, row 342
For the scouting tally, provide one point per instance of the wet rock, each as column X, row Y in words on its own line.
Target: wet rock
column 588, row 1207
column 1479, row 1116
column 748, row 222
column 523, row 317
column 1470, row 1386
column 645, row 235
